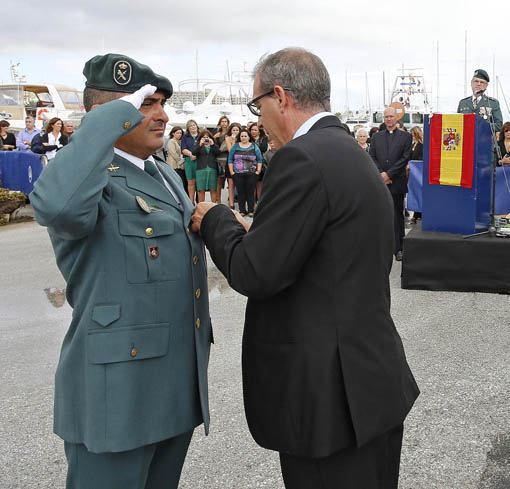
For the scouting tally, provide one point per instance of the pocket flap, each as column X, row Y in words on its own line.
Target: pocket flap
column 106, row 314
column 128, row 344
column 134, row 223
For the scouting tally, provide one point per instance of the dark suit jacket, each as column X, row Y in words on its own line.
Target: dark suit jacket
column 323, row 365
column 392, row 160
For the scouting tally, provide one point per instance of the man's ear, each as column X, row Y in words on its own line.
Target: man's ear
column 282, row 96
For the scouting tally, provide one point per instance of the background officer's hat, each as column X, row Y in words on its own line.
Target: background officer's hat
column 119, row 73
column 481, row 74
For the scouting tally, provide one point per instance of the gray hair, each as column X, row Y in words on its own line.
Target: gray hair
column 29, row 117
column 299, row 70
column 360, row 130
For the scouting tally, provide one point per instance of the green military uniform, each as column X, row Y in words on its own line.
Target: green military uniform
column 486, row 108
column 133, row 366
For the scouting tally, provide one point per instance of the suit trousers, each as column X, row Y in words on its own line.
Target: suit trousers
column 155, row 466
column 373, row 466
column 398, row 220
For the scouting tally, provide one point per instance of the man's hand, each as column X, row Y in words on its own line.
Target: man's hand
column 246, row 225
column 386, row 178
column 200, row 211
column 136, row 99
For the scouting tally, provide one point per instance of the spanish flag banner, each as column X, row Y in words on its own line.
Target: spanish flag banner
column 451, row 151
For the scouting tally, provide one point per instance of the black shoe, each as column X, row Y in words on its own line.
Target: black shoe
column 398, row 256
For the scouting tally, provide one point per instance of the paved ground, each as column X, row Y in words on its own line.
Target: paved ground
column 457, row 436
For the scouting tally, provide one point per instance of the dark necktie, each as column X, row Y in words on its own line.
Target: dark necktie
column 151, row 169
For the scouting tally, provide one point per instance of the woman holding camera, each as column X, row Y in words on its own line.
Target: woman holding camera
column 207, row 174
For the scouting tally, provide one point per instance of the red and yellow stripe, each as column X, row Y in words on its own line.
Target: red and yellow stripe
column 451, row 151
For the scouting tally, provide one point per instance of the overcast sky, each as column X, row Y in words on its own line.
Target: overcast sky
column 53, row 40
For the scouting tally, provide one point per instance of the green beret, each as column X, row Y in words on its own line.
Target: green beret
column 481, row 74
column 119, row 73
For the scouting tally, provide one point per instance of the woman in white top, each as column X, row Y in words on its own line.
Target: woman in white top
column 175, row 159
column 53, row 139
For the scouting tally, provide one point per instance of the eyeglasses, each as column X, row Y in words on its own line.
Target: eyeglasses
column 507, row 130
column 256, row 110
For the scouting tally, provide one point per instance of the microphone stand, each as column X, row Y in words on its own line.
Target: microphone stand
column 490, row 119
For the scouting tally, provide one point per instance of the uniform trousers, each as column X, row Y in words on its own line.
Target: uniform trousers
column 372, row 466
column 398, row 220
column 155, row 466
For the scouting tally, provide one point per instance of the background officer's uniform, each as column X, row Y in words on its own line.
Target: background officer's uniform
column 131, row 383
column 485, row 106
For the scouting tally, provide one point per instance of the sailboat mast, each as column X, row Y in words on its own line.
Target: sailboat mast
column 465, row 64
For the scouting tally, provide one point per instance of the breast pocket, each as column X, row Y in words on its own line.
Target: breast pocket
column 153, row 245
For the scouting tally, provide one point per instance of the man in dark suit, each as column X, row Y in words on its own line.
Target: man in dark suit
column 326, row 382
column 391, row 150
column 131, row 382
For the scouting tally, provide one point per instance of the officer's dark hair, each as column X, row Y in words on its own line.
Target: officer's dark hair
column 93, row 96
column 300, row 71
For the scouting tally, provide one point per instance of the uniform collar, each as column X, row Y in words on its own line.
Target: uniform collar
column 133, row 159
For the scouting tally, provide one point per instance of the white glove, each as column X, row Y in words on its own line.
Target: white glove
column 136, row 99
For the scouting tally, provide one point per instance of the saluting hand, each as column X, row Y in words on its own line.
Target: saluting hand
column 136, row 99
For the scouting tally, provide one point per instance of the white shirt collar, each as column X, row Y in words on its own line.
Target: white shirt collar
column 306, row 126
column 474, row 97
column 133, row 159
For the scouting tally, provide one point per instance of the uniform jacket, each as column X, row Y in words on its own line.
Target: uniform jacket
column 133, row 364
column 392, row 160
column 486, row 107
column 323, row 365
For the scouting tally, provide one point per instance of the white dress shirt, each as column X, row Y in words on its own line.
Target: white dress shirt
column 306, row 126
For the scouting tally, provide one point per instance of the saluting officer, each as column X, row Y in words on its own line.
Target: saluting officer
column 479, row 103
column 131, row 382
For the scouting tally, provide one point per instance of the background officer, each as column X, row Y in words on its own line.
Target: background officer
column 131, row 383
column 479, row 103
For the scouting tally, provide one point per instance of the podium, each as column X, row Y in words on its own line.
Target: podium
column 457, row 166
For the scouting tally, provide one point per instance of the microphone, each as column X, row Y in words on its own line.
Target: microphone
column 480, row 92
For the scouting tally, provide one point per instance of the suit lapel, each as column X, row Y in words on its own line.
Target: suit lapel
column 137, row 179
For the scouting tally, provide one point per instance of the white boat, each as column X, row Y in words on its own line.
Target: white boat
column 359, row 119
column 42, row 101
column 209, row 100
column 409, row 97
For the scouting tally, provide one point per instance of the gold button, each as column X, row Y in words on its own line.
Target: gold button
column 127, row 125
column 149, row 231
column 134, row 352
column 197, row 294
column 198, row 323
column 195, row 260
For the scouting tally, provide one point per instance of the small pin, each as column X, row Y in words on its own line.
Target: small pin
column 113, row 168
column 153, row 252
column 143, row 205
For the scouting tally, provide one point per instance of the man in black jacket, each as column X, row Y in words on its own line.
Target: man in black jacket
column 326, row 382
column 391, row 150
